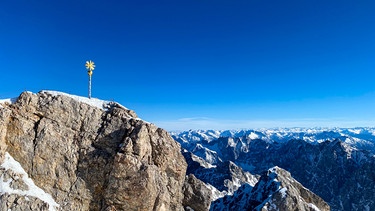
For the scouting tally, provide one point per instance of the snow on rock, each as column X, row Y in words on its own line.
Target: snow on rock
column 216, row 194
column 231, row 142
column 275, row 190
column 33, row 190
column 7, row 101
column 102, row 104
column 278, row 190
column 360, row 138
column 283, row 192
column 238, row 201
column 355, row 130
column 252, row 135
column 202, row 162
column 314, row 155
column 313, row 207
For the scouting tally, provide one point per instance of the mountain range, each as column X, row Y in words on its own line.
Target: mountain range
column 65, row 152
column 337, row 164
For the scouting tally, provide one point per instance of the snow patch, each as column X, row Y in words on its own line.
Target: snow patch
column 236, row 182
column 202, row 162
column 34, row 191
column 283, row 192
column 313, row 207
column 102, row 104
column 216, row 194
column 355, row 131
column 231, row 142
column 272, row 206
column 8, row 101
column 252, row 135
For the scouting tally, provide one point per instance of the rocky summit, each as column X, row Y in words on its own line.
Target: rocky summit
column 65, row 152
column 60, row 152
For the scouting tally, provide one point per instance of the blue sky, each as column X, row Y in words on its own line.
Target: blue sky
column 200, row 64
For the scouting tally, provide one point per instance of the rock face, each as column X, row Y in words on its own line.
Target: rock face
column 238, row 201
column 87, row 158
column 196, row 194
column 226, row 176
column 275, row 190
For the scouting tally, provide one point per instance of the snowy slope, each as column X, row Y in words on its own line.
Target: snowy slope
column 7, row 101
column 275, row 190
column 102, row 104
column 98, row 103
column 11, row 166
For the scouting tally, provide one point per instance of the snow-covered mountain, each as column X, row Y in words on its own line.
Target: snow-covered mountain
column 275, row 190
column 360, row 138
column 337, row 164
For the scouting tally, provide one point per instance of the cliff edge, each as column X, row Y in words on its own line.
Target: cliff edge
column 60, row 153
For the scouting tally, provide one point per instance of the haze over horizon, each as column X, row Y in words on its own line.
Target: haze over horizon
column 200, row 65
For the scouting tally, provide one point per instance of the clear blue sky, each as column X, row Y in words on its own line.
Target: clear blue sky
column 200, row 64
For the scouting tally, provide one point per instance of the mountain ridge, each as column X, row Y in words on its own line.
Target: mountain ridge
column 338, row 171
column 359, row 137
column 90, row 154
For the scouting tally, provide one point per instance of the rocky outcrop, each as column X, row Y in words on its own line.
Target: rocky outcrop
column 88, row 158
column 225, row 176
column 238, row 201
column 277, row 190
column 196, row 194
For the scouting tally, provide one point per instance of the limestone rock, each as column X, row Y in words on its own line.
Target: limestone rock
column 277, row 190
column 21, row 203
column 196, row 194
column 88, row 158
column 225, row 176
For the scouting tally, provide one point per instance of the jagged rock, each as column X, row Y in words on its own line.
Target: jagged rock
column 196, row 194
column 21, row 203
column 238, row 201
column 89, row 158
column 278, row 190
column 225, row 176
column 275, row 190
